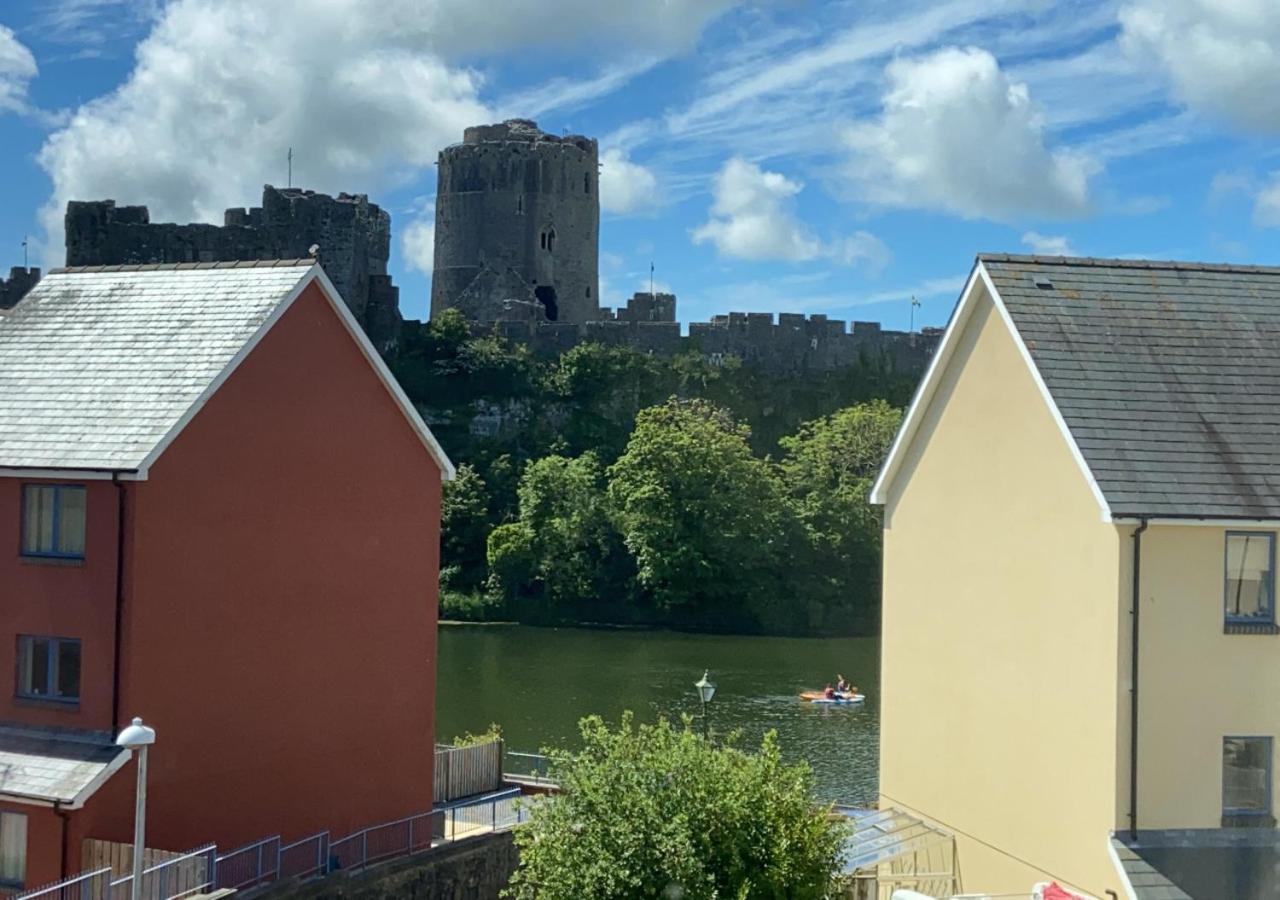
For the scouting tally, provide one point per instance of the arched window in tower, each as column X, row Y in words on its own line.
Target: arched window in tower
column 519, row 204
column 549, row 240
column 586, row 182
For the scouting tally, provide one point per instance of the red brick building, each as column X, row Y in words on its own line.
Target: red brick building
column 218, row 512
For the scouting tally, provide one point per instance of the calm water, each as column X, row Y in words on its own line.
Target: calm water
column 537, row 682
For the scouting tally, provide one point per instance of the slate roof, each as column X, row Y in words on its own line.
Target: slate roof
column 1167, row 375
column 1145, row 881
column 54, row 764
column 98, row 364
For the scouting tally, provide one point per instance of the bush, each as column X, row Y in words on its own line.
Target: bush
column 469, row 606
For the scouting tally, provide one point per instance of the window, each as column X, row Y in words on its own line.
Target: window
column 53, row 520
column 586, row 182
column 49, row 668
column 1246, row 777
column 13, row 849
column 549, row 240
column 1250, row 577
column 519, row 204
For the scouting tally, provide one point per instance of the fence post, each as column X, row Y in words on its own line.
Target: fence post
column 410, row 849
column 213, row 869
column 493, row 808
column 364, row 848
column 322, row 864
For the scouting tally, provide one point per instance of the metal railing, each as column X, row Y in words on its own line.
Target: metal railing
column 533, row 767
column 86, row 886
column 177, row 877
column 268, row 860
column 250, row 865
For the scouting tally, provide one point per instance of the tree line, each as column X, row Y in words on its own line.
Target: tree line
column 611, row 486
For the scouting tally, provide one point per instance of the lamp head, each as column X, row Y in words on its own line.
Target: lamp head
column 136, row 735
column 706, row 690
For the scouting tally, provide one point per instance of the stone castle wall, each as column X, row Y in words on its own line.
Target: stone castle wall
column 15, row 287
column 524, row 205
column 353, row 237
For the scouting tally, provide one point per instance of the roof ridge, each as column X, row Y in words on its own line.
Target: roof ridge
column 181, row 267
column 1112, row 263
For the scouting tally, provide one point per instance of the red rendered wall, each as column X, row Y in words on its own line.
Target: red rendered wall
column 60, row 599
column 280, row 625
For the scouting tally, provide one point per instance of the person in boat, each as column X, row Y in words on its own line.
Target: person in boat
column 829, row 692
column 842, row 686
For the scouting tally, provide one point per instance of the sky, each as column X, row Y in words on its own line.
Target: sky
column 778, row 156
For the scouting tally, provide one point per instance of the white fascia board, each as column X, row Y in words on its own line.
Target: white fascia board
column 925, row 390
column 979, row 283
column 100, row 779
column 314, row 273
column 1103, row 507
column 1204, row 523
column 65, row 474
column 1120, row 870
column 388, row 380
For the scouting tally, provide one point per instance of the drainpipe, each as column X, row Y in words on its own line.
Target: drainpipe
column 65, row 817
column 119, row 642
column 1133, row 681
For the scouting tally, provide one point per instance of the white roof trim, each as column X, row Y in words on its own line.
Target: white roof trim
column 64, row 474
column 314, row 273
column 933, row 376
column 100, row 779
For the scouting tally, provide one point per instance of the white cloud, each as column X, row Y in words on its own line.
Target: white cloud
column 957, row 134
column 365, row 91
column 17, row 68
column 1048, row 244
column 752, row 217
column 1222, row 56
column 418, row 243
column 1266, row 206
column 625, row 186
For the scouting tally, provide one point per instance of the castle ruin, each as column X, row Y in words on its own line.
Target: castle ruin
column 12, row 289
column 353, row 237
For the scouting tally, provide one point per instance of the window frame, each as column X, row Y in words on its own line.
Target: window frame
column 1237, row 812
column 1228, row 618
column 27, row 642
column 26, row 837
column 29, row 488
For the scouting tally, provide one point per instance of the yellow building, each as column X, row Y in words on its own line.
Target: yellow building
column 1081, row 661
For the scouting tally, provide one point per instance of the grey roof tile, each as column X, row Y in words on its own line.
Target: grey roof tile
column 98, row 364
column 53, row 764
column 1167, row 375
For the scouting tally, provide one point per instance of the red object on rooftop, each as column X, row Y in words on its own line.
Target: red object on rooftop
column 1056, row 892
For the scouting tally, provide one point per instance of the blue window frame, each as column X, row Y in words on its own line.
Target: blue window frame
column 1246, row 776
column 53, row 520
column 1249, row 586
column 48, row 668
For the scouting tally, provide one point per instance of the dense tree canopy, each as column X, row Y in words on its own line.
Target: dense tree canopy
column 608, row 485
column 657, row 811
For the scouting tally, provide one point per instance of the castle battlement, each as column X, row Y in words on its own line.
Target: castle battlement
column 15, row 287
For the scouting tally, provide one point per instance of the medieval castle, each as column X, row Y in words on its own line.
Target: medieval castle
column 517, row 250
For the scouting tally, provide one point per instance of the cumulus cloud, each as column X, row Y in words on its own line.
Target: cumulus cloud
column 753, row 217
column 365, row 91
column 17, row 68
column 1266, row 206
column 418, row 244
column 958, row 134
column 625, row 186
column 1221, row 56
column 1048, row 244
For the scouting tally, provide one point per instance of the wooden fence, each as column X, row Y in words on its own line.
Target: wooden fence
column 183, row 877
column 467, row 771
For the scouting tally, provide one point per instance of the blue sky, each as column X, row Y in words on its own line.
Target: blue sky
column 833, row 157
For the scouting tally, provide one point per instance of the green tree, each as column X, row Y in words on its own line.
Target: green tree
column 828, row 468
column 578, row 561
column 655, row 811
column 464, row 529
column 601, row 389
column 704, row 519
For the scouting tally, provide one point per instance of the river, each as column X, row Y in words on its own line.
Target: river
column 537, row 682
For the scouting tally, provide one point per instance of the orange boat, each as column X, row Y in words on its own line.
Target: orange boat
column 839, row 698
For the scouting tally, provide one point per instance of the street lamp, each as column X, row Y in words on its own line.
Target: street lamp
column 706, row 690
column 138, row 737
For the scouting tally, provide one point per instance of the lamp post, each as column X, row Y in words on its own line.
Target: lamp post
column 138, row 737
column 706, row 690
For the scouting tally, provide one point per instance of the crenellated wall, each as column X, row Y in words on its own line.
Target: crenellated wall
column 15, row 287
column 353, row 237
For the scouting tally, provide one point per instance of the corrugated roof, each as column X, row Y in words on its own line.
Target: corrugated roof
column 98, row 364
column 55, row 765
column 1166, row 374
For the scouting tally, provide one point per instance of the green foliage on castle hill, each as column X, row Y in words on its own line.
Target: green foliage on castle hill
column 613, row 486
column 656, row 811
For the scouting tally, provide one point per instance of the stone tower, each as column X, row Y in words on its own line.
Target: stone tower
column 518, row 225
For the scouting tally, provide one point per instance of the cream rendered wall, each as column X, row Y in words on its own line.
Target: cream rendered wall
column 1000, row 703
column 1196, row 684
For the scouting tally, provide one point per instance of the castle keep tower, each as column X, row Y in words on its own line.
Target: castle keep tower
column 518, row 225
